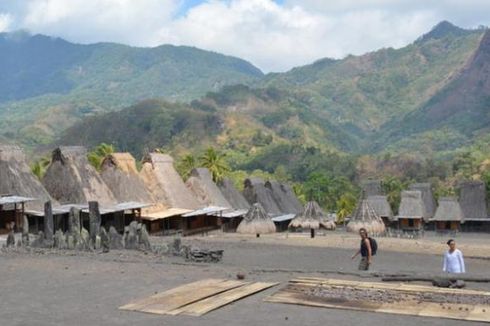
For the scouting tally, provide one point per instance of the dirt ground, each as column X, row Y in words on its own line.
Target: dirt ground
column 53, row 288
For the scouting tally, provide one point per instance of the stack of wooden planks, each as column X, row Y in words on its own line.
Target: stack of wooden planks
column 198, row 298
column 405, row 299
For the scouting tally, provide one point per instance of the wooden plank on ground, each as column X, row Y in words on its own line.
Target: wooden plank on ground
column 168, row 303
column 202, row 307
column 139, row 304
column 295, row 293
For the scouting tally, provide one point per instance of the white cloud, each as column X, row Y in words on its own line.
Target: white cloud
column 5, row 21
column 274, row 37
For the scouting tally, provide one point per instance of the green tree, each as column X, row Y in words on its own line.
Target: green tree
column 345, row 206
column 392, row 187
column 40, row 166
column 186, row 165
column 97, row 156
column 216, row 164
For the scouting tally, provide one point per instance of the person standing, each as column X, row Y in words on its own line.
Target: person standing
column 453, row 259
column 365, row 251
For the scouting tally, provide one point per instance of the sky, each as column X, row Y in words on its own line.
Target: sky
column 274, row 35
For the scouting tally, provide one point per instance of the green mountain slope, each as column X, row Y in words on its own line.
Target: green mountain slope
column 46, row 80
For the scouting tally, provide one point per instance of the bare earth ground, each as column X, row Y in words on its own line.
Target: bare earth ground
column 68, row 288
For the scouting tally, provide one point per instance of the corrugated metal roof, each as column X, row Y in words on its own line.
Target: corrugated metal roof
column 235, row 213
column 206, row 211
column 282, row 218
column 15, row 200
column 160, row 215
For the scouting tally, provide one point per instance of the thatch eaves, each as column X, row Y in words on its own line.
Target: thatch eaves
column 381, row 206
column 255, row 191
column 284, row 196
column 472, row 198
column 312, row 217
column 119, row 172
column 71, row 179
column 365, row 217
column 205, row 190
column 427, row 197
column 256, row 221
column 448, row 210
column 17, row 179
column 165, row 184
column 412, row 205
column 232, row 195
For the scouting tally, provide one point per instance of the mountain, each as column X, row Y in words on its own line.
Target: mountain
column 46, row 84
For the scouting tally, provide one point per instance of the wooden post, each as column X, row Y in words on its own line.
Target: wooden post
column 312, row 233
column 94, row 219
column 257, row 235
column 48, row 221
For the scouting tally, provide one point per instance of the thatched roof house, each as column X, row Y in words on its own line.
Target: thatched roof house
column 371, row 188
column 381, row 206
column 256, row 221
column 205, row 190
column 165, row 184
column 284, row 196
column 120, row 174
column 255, row 191
column 472, row 198
column 17, row 179
column 427, row 197
column 365, row 217
column 411, row 205
column 312, row 217
column 232, row 195
column 71, row 179
column 448, row 210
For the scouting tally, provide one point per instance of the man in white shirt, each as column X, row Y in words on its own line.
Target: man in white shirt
column 453, row 259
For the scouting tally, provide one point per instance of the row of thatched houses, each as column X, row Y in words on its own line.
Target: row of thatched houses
column 418, row 209
column 156, row 195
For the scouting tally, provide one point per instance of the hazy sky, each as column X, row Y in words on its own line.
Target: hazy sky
column 273, row 35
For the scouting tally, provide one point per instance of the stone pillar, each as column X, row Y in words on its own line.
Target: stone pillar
column 95, row 220
column 48, row 222
column 74, row 222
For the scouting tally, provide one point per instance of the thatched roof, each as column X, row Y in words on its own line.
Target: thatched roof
column 312, row 217
column 165, row 184
column 256, row 192
column 71, row 179
column 448, row 210
column 232, row 195
column 381, row 206
column 412, row 205
column 285, row 198
column 17, row 179
column 365, row 217
column 371, row 188
column 205, row 190
column 256, row 221
column 472, row 198
column 427, row 197
column 120, row 174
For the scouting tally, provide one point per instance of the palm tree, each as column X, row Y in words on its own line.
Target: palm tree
column 97, row 156
column 40, row 166
column 345, row 206
column 215, row 163
column 186, row 164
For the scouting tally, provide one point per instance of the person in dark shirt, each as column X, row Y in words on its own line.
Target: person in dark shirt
column 365, row 251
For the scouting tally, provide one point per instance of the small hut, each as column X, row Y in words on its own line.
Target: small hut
column 427, row 197
column 472, row 199
column 312, row 217
column 120, row 174
column 412, row 211
column 284, row 196
column 255, row 191
column 371, row 188
column 365, row 217
column 448, row 216
column 70, row 179
column 382, row 208
column 256, row 221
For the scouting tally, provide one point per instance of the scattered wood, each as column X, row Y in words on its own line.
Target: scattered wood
column 460, row 277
